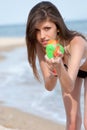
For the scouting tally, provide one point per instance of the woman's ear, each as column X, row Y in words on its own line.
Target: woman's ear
column 58, row 32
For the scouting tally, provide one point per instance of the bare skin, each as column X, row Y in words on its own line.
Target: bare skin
column 70, row 83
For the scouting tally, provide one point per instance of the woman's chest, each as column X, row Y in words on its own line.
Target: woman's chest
column 84, row 66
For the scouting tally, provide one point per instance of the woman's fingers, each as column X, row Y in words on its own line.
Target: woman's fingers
column 53, row 62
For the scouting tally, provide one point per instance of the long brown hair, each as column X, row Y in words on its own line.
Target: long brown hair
column 38, row 13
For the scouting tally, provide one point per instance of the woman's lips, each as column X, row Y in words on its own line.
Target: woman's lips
column 44, row 42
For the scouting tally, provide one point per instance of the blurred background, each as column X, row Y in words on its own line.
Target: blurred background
column 18, row 87
column 14, row 13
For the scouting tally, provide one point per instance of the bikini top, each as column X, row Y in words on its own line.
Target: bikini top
column 81, row 63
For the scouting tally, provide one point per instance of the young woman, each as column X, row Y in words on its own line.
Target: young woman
column 45, row 23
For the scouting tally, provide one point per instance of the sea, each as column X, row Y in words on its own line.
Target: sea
column 19, row 30
column 18, row 86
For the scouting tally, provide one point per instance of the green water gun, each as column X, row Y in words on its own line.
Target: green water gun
column 53, row 49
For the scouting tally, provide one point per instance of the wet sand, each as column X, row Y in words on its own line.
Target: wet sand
column 16, row 119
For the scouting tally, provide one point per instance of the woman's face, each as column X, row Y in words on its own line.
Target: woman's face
column 45, row 31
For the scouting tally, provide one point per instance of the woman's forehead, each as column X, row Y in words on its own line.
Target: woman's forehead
column 43, row 23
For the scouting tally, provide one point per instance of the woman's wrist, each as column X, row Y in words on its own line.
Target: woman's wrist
column 53, row 76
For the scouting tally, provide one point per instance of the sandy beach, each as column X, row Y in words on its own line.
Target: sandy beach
column 13, row 118
column 16, row 119
column 7, row 43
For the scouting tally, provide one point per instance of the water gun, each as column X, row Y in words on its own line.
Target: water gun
column 53, row 49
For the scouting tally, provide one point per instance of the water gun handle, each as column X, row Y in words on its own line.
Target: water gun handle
column 53, row 49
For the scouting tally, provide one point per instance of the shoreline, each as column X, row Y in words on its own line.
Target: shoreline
column 16, row 119
column 8, row 43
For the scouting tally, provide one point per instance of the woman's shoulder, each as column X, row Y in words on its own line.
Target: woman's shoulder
column 78, row 41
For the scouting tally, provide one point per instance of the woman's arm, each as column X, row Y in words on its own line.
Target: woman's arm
column 67, row 77
column 77, row 51
column 49, row 79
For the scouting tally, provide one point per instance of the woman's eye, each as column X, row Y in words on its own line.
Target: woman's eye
column 37, row 30
column 47, row 28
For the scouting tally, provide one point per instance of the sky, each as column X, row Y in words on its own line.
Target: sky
column 16, row 11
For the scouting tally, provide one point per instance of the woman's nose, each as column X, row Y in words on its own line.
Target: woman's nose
column 42, row 34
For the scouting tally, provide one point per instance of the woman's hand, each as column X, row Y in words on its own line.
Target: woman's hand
column 49, row 65
column 54, row 65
